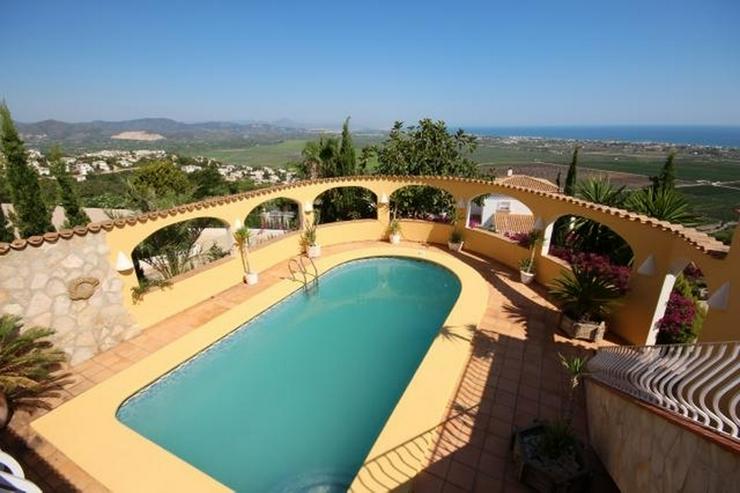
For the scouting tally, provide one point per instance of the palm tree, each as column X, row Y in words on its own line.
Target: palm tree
column 665, row 204
column 241, row 240
column 29, row 368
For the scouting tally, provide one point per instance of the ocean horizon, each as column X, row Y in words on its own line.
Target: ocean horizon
column 705, row 135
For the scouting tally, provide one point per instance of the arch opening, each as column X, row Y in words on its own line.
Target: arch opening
column 272, row 219
column 571, row 235
column 423, row 202
column 345, row 204
column 499, row 213
column 179, row 248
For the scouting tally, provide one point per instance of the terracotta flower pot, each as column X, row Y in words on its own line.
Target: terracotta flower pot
column 526, row 277
column 314, row 251
column 591, row 331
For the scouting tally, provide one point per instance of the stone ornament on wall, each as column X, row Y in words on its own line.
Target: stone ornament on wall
column 82, row 288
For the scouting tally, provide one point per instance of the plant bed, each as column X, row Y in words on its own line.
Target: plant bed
column 568, row 472
column 591, row 331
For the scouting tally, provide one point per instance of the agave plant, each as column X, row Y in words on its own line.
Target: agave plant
column 584, row 294
column 666, row 204
column 29, row 367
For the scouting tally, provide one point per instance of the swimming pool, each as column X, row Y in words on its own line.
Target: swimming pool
column 295, row 398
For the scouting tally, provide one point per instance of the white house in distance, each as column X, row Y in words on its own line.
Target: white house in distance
column 504, row 214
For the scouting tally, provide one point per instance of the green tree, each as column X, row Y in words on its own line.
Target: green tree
column 32, row 215
column 667, row 177
column 571, row 178
column 331, row 157
column 347, row 160
column 161, row 180
column 75, row 214
column 208, row 182
column 426, row 149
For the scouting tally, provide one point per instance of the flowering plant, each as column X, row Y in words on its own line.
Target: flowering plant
column 677, row 323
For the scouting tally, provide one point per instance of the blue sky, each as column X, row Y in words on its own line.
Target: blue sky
column 471, row 63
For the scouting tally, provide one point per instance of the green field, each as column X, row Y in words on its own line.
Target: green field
column 689, row 167
column 271, row 155
column 713, row 203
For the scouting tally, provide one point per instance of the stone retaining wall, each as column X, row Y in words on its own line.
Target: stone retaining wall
column 644, row 451
column 35, row 285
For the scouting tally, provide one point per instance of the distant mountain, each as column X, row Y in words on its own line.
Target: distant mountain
column 97, row 134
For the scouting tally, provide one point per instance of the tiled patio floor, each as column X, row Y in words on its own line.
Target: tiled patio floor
column 513, row 377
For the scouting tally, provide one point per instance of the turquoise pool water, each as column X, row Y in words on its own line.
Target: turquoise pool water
column 294, row 399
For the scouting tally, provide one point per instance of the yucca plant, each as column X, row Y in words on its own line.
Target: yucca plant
column 576, row 368
column 585, row 295
column 29, row 368
column 308, row 238
column 241, row 240
column 394, row 227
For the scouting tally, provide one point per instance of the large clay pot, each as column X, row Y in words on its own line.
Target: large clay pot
column 591, row 331
column 5, row 411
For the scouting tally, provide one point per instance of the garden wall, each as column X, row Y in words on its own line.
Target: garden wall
column 68, row 285
column 645, row 451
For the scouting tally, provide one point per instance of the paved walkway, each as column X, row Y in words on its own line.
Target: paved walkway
column 513, row 377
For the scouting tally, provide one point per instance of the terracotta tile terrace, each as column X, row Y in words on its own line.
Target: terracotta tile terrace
column 512, row 377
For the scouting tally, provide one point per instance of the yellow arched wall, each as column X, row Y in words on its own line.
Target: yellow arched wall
column 631, row 320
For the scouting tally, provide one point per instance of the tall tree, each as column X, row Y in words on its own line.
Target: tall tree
column 426, row 149
column 32, row 215
column 667, row 177
column 331, row 157
column 347, row 161
column 570, row 178
column 75, row 214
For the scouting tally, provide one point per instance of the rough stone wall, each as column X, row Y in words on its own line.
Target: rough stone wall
column 646, row 452
column 34, row 284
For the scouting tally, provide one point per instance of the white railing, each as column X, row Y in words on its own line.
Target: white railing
column 700, row 382
column 12, row 477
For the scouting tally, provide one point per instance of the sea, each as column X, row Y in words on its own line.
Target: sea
column 704, row 135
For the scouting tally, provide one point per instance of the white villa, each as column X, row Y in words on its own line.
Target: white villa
column 504, row 214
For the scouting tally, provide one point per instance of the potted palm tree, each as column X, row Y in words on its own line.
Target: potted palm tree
column 308, row 241
column 586, row 298
column 29, row 368
column 241, row 240
column 456, row 240
column 547, row 455
column 394, row 231
column 526, row 266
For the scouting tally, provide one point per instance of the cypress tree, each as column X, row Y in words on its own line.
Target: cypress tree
column 33, row 218
column 73, row 211
column 667, row 178
column 570, row 178
column 347, row 157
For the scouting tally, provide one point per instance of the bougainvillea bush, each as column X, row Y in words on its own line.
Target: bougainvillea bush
column 677, row 324
column 619, row 275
